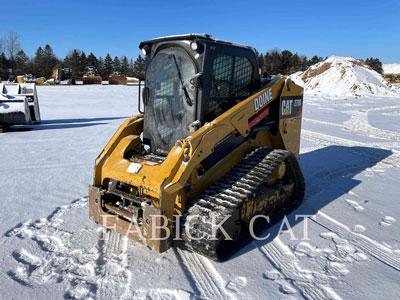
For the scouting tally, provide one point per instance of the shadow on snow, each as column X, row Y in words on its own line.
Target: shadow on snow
column 64, row 124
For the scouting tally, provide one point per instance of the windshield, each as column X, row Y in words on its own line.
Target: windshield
column 170, row 107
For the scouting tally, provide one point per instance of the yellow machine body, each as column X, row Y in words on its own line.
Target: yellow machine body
column 169, row 186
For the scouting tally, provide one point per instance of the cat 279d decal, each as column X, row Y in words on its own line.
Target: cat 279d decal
column 291, row 107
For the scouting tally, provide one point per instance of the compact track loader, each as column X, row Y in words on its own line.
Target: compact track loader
column 117, row 78
column 91, row 76
column 212, row 148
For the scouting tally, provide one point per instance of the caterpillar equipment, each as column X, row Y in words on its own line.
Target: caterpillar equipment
column 117, row 78
column 29, row 78
column 19, row 105
column 91, row 76
column 132, row 80
column 61, row 76
column 392, row 78
column 213, row 145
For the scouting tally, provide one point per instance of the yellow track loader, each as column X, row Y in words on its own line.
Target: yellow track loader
column 117, row 78
column 212, row 149
column 91, row 76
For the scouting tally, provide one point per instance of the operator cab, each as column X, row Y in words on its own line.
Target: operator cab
column 192, row 79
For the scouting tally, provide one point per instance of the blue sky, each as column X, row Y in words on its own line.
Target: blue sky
column 356, row 28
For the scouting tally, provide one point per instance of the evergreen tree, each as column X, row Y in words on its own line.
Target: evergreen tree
column 92, row 61
column 268, row 63
column 295, row 63
column 314, row 60
column 100, row 66
column 131, row 64
column 139, row 68
column 286, row 57
column 276, row 61
column 83, row 63
column 303, row 63
column 375, row 64
column 108, row 66
column 124, row 65
column 116, row 63
column 48, row 63
column 4, row 66
column 38, row 62
column 72, row 61
column 21, row 63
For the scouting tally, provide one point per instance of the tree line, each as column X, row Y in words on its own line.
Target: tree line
column 285, row 62
column 14, row 60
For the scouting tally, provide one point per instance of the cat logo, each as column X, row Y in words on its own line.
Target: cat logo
column 291, row 107
column 287, row 107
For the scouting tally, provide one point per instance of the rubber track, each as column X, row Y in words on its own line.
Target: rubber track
column 226, row 196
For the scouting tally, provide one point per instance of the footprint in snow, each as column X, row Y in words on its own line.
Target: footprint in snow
column 387, row 221
column 272, row 275
column 358, row 228
column 287, row 288
column 357, row 207
column 236, row 284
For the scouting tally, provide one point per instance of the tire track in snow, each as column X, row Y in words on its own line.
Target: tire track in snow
column 207, row 279
column 283, row 259
column 359, row 124
column 364, row 243
column 329, row 140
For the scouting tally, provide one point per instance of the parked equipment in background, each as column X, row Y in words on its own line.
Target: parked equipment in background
column 392, row 78
column 117, row 78
column 29, row 78
column 61, row 76
column 214, row 143
column 132, row 80
column 20, row 79
column 91, row 76
column 12, row 78
column 19, row 104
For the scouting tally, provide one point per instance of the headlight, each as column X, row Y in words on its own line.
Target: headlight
column 194, row 46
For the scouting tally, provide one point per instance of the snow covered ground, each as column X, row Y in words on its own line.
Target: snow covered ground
column 391, row 68
column 49, row 249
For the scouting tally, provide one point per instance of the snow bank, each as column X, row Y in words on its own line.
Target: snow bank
column 343, row 77
column 391, row 68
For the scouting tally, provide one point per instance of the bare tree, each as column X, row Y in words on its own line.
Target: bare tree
column 2, row 45
column 12, row 44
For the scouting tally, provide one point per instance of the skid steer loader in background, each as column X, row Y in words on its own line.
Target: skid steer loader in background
column 19, row 105
column 213, row 143
column 117, row 78
column 91, row 77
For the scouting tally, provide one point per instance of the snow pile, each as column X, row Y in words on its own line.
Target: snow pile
column 391, row 68
column 343, row 77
